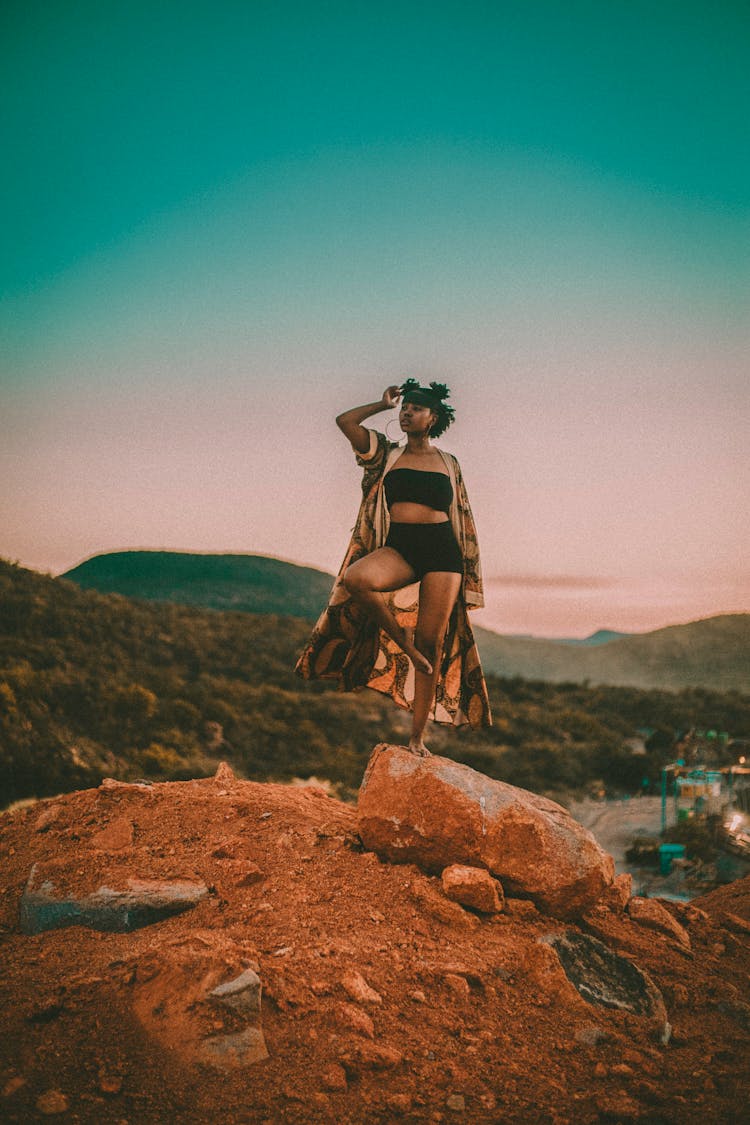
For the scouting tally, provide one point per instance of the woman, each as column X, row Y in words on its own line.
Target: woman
column 414, row 525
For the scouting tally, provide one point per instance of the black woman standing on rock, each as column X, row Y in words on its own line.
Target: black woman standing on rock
column 414, row 525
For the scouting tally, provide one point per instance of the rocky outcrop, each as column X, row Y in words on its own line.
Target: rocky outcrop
column 435, row 812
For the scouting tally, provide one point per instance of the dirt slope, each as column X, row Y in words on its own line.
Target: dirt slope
column 472, row 1020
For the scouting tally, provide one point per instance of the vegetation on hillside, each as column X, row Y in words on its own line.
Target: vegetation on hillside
column 94, row 685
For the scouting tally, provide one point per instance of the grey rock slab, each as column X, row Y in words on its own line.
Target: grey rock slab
column 112, row 911
column 241, row 994
column 607, row 980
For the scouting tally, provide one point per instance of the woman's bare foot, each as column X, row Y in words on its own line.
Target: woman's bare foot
column 418, row 747
column 420, row 662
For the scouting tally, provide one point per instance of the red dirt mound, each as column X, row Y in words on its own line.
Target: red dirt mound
column 382, row 1000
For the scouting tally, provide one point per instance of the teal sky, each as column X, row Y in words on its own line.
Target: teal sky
column 223, row 224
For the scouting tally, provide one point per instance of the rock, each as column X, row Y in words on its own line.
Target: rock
column 520, row 908
column 418, row 996
column 110, row 1084
column 473, row 887
column 590, row 1035
column 458, row 985
column 619, row 1107
column 372, row 1056
column 431, row 902
column 435, row 812
column 356, row 1020
column 12, row 1085
column 399, row 1103
column 241, row 994
column 111, row 785
column 47, row 817
column 52, row 1102
column 649, row 912
column 734, row 923
column 240, row 1049
column 605, row 979
column 617, row 897
column 224, row 773
column 247, row 874
column 180, row 991
column 113, row 911
column 333, row 1078
column 359, row 990
column 456, row 1102
column 117, row 835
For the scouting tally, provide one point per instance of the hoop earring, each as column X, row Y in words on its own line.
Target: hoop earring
column 388, row 435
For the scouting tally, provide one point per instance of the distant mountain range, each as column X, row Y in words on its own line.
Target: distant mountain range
column 712, row 653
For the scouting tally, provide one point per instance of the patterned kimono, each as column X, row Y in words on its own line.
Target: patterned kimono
column 347, row 645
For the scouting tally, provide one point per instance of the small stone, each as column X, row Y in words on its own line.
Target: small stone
column 619, row 1107
column 650, row 913
column 590, row 1035
column 679, row 995
column 359, row 990
column 356, row 1019
column 399, row 1103
column 418, row 996
column 47, row 817
column 718, row 948
column 110, row 1083
column 241, row 994
column 224, row 773
column 734, row 923
column 458, row 985
column 600, row 1070
column 334, row 1078
column 456, row 1102
column 473, row 887
column 52, row 1102
column 12, row 1085
column 376, row 916
column 249, row 874
column 520, row 908
column 373, row 1056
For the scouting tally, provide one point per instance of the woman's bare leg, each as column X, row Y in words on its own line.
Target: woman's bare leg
column 437, row 596
column 372, row 576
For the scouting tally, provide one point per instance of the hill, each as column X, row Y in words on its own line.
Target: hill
column 252, row 583
column 98, row 684
column 370, row 996
column 712, row 653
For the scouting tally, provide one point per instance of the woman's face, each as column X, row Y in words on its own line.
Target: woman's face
column 416, row 419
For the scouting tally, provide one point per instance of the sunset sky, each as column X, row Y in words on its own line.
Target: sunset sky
column 223, row 224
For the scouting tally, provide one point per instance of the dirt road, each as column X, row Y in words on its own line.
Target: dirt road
column 615, row 823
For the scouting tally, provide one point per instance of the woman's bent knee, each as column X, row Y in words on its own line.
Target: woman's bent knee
column 352, row 580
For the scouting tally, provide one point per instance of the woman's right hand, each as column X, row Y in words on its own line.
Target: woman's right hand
column 391, row 395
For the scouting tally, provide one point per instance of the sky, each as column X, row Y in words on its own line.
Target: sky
column 222, row 224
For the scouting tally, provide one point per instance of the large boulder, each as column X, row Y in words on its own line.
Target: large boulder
column 434, row 812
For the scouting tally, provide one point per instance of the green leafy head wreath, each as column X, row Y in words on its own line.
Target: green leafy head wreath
column 434, row 397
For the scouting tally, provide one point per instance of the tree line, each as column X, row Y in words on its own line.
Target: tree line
column 95, row 685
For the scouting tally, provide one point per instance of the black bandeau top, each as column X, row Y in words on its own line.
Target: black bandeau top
column 418, row 486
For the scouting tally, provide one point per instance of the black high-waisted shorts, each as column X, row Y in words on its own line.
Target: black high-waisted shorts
column 427, row 546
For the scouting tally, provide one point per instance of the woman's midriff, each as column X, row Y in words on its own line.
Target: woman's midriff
column 404, row 511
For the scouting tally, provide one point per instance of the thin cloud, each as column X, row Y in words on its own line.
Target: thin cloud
column 552, row 581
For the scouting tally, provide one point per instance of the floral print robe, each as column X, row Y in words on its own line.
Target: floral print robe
column 347, row 645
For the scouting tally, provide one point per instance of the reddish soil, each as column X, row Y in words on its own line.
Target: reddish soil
column 474, row 1019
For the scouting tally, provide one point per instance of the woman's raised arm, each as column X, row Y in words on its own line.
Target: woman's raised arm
column 350, row 422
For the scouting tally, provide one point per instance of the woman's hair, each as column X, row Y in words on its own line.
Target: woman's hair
column 434, row 397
